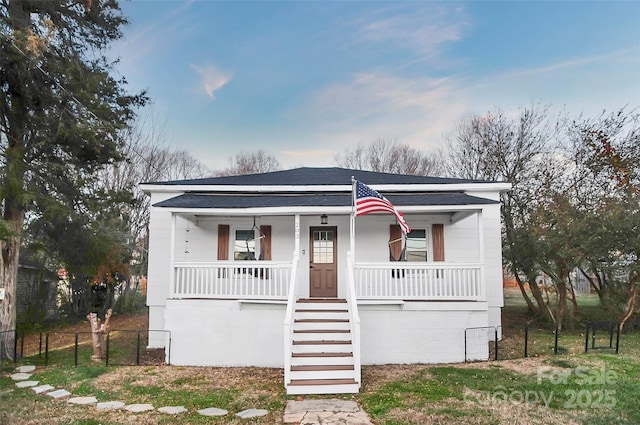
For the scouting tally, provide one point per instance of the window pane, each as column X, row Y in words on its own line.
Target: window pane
column 244, row 245
column 417, row 245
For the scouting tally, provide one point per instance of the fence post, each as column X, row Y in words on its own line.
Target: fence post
column 15, row 346
column 75, row 352
column 618, row 338
column 555, row 344
column 526, row 340
column 593, row 337
column 610, row 334
column 22, row 345
column 495, row 331
column 46, row 350
column 465, row 345
column 40, row 346
column 586, row 338
column 138, row 350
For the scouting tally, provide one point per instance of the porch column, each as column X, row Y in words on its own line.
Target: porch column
column 172, row 253
column 483, row 286
column 296, row 232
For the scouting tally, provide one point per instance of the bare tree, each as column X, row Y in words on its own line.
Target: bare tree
column 495, row 146
column 390, row 156
column 251, row 163
column 149, row 157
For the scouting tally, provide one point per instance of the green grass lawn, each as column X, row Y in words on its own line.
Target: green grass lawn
column 599, row 387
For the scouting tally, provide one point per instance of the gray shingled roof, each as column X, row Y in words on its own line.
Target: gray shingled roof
column 316, row 176
column 203, row 200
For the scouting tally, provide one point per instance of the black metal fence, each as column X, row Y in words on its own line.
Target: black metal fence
column 117, row 348
column 519, row 341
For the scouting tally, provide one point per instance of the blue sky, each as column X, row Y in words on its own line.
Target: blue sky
column 305, row 80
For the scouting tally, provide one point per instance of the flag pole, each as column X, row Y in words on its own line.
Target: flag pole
column 352, row 221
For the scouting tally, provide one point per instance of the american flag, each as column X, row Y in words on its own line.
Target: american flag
column 370, row 201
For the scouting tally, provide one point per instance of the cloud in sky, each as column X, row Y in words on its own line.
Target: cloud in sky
column 371, row 105
column 211, row 79
column 420, row 30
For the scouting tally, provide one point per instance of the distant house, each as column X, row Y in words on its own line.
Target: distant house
column 36, row 294
column 271, row 270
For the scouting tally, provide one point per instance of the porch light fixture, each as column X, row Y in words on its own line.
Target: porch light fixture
column 324, row 219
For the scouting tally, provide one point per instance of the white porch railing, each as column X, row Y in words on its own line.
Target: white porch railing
column 420, row 281
column 232, row 279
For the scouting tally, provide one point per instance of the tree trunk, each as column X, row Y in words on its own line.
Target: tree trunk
column 8, row 282
column 561, row 285
column 13, row 184
column 97, row 333
column 532, row 308
column 536, row 292
column 632, row 301
column 572, row 294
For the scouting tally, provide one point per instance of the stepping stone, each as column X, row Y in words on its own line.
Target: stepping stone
column 137, row 408
column 83, row 401
column 20, row 376
column 212, row 411
column 172, row 410
column 252, row 413
column 59, row 393
column 110, row 405
column 43, row 389
column 26, row 384
column 25, row 369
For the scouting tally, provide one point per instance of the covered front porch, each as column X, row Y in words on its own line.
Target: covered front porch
column 285, row 259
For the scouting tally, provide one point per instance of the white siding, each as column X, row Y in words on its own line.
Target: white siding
column 420, row 333
column 225, row 333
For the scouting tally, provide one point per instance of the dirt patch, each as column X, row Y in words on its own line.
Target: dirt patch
column 62, row 336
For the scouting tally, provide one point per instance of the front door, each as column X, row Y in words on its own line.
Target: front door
column 323, row 270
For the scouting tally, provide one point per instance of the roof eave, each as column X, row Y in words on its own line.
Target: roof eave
column 441, row 187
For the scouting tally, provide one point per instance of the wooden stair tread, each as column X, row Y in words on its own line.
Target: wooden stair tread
column 321, row 331
column 323, row 342
column 321, row 320
column 322, row 382
column 322, row 354
column 321, row 368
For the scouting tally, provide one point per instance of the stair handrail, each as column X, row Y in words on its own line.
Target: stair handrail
column 354, row 316
column 288, row 319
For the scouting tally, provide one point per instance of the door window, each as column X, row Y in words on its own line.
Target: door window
column 323, row 246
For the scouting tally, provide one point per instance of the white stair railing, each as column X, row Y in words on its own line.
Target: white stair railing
column 354, row 318
column 288, row 319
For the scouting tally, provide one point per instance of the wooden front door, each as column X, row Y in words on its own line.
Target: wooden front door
column 323, row 264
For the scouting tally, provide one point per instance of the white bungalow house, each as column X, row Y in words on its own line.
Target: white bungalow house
column 270, row 270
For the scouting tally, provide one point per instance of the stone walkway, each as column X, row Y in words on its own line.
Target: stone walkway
column 305, row 412
column 325, row 412
column 23, row 380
